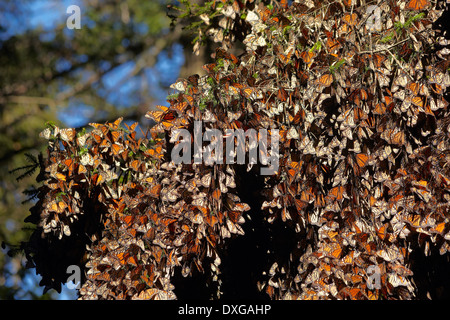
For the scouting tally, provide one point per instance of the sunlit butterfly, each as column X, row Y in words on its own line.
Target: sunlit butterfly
column 70, row 164
column 332, row 250
column 325, row 80
column 252, row 93
column 350, row 19
column 394, row 136
column 337, row 192
column 307, row 56
column 286, row 57
column 164, row 114
column 361, row 161
column 58, row 206
column 417, row 4
column 115, row 124
column 132, row 127
column 116, row 148
column 67, row 134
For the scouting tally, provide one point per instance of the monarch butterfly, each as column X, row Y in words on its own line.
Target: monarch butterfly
column 58, row 206
column 179, row 85
column 383, row 77
column 115, row 135
column 103, row 276
column 46, row 133
column 206, row 179
column 293, row 168
column 81, row 169
column 131, row 128
column 361, row 160
column 337, row 192
column 389, row 254
column 348, row 259
column 147, row 294
column 128, row 219
column 393, row 136
column 105, row 144
column 437, row 88
column 417, row 101
column 352, row 293
column 439, row 228
column 443, row 79
column 282, row 94
column 180, row 107
column 372, row 295
column 333, row 250
column 252, row 93
column 136, row 165
column 154, row 152
column 122, row 257
column 350, row 19
column 286, row 57
column 169, row 194
column 417, row 5
column 70, row 164
column 115, row 124
column 325, row 80
column 211, row 219
column 378, row 59
column 163, row 115
column 104, row 130
column 209, row 67
column 357, row 95
column 307, row 195
column 383, row 231
column 59, row 176
column 116, row 148
column 234, row 216
column 229, row 182
column 265, row 13
column 413, row 87
column 380, row 108
column 302, row 76
column 193, row 80
column 189, row 99
column 97, row 138
column 234, row 227
column 222, row 53
column 216, row 194
column 241, row 207
column 356, row 278
column 425, row 195
column 332, row 45
column 67, row 134
column 233, row 90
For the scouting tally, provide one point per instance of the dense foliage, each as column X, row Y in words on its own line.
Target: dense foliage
column 357, row 92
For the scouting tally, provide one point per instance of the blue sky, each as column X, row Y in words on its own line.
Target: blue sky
column 119, row 86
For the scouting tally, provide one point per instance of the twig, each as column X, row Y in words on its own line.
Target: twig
column 399, row 64
column 384, row 49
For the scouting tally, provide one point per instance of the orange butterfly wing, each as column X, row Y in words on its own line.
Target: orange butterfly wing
column 417, row 4
column 326, row 80
column 361, row 159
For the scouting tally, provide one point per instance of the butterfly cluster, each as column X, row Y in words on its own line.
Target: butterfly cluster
column 363, row 177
